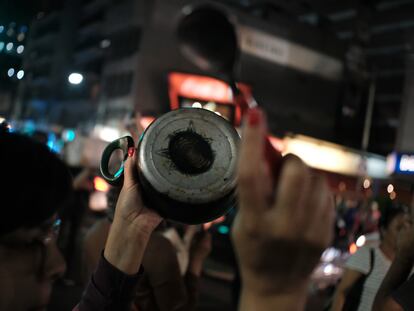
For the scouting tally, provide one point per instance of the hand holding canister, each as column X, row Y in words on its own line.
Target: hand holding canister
column 186, row 163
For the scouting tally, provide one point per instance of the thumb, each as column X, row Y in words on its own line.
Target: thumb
column 130, row 169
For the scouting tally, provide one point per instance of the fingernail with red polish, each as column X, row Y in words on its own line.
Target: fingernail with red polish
column 131, row 151
column 254, row 116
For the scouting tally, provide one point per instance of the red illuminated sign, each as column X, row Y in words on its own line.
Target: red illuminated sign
column 203, row 88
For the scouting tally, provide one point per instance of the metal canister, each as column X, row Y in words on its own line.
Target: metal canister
column 187, row 165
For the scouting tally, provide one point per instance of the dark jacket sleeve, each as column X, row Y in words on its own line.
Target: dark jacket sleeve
column 404, row 295
column 109, row 289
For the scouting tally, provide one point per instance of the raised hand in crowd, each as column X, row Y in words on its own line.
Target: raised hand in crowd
column 113, row 283
column 279, row 234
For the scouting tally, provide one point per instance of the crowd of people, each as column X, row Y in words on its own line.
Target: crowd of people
column 135, row 260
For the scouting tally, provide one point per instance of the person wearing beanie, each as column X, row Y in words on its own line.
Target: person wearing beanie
column 34, row 185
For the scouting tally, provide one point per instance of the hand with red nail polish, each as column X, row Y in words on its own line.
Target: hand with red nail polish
column 273, row 157
column 255, row 116
column 133, row 223
column 131, row 152
column 280, row 230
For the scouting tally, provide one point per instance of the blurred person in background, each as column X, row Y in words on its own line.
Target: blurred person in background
column 72, row 217
column 132, row 124
column 365, row 270
column 366, row 220
column 397, row 288
column 172, row 272
column 95, row 238
column 344, row 223
column 166, row 284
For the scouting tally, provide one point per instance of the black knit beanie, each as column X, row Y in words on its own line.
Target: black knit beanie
column 34, row 182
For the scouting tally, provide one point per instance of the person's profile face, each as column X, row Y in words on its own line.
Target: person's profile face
column 29, row 264
column 394, row 227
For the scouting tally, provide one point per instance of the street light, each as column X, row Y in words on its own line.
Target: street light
column 75, row 78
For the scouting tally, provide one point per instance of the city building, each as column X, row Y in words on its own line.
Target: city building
column 12, row 48
column 81, row 63
column 122, row 64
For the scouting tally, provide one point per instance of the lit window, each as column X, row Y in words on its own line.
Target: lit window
column 20, row 49
column 20, row 37
column 75, row 78
column 367, row 183
column 105, row 43
column 20, row 74
column 100, row 184
column 10, row 72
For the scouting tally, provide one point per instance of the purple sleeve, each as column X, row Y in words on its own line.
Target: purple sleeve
column 404, row 295
column 109, row 289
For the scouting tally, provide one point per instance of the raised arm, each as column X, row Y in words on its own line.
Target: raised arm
column 348, row 280
column 279, row 234
column 113, row 284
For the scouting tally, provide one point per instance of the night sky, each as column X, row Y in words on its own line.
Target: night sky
column 22, row 11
